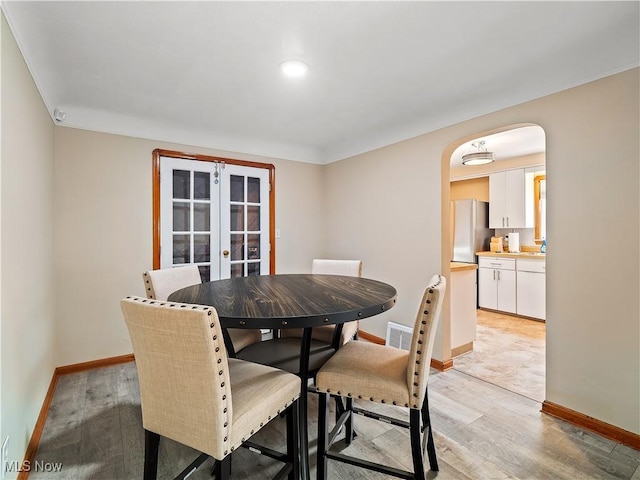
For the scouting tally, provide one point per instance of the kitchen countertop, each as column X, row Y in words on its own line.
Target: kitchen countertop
column 459, row 266
column 513, row 254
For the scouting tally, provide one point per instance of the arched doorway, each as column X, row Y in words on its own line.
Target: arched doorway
column 499, row 342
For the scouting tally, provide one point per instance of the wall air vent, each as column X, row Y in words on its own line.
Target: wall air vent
column 399, row 336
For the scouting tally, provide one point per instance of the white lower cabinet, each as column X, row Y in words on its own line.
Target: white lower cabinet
column 497, row 283
column 513, row 285
column 531, row 279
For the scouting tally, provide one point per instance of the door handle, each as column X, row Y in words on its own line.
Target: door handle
column 225, row 253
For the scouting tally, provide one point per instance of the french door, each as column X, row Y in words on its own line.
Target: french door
column 215, row 215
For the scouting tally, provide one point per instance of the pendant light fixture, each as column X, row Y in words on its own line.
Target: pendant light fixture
column 481, row 157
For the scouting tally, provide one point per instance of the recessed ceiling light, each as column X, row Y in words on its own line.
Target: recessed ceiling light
column 294, row 68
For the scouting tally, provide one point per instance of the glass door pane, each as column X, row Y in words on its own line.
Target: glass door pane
column 215, row 216
column 189, row 215
column 244, row 221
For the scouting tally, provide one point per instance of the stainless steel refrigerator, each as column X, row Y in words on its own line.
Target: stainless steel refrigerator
column 470, row 232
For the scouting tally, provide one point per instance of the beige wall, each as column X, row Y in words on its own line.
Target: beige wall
column 103, row 232
column 477, row 188
column 386, row 207
column 27, row 278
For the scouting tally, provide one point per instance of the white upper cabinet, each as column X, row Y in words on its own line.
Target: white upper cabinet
column 507, row 200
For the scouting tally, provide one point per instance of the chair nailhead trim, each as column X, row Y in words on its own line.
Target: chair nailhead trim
column 414, row 391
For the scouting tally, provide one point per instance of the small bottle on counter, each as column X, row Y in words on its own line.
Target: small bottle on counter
column 543, row 247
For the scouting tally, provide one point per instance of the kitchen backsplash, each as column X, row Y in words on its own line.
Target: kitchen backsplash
column 527, row 235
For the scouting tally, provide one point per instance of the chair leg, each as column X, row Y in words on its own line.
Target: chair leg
column 416, row 444
column 151, row 444
column 323, row 440
column 339, row 406
column 222, row 468
column 293, row 441
column 426, row 423
column 349, row 433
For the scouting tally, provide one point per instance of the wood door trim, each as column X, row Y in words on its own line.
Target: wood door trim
column 158, row 152
column 586, row 422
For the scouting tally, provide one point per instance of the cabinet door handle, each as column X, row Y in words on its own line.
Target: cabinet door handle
column 498, row 275
column 494, row 274
column 503, row 221
column 507, row 222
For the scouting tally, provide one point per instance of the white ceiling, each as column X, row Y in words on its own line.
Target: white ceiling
column 517, row 142
column 206, row 73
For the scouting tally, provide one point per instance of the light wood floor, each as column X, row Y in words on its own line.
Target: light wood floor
column 509, row 352
column 482, row 431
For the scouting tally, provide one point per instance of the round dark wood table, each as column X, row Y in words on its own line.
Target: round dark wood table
column 292, row 301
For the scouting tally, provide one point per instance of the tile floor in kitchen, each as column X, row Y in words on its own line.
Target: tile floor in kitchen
column 508, row 352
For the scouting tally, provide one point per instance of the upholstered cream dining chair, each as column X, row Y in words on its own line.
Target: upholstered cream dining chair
column 193, row 394
column 159, row 284
column 377, row 373
column 350, row 268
